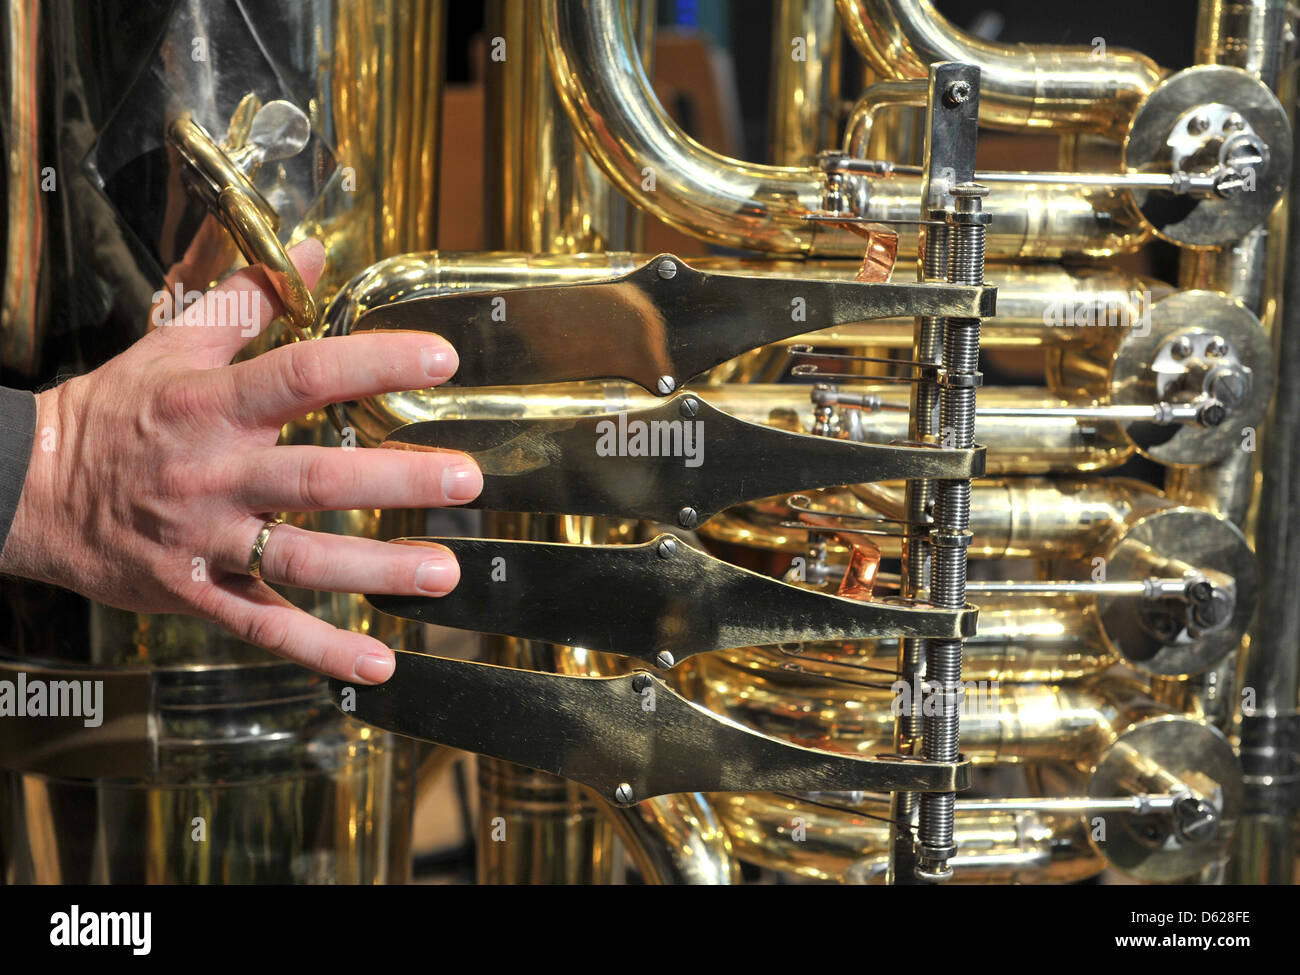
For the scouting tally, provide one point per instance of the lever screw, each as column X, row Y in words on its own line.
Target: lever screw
column 690, row 407
column 688, row 517
column 1216, row 347
column 624, row 794
column 666, row 385
column 1198, row 123
column 1182, row 348
column 958, row 93
column 667, row 547
column 640, row 682
column 665, row 659
column 667, row 270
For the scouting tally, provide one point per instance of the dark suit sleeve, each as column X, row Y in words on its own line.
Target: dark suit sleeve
column 17, row 431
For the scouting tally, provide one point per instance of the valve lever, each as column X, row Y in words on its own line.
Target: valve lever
column 661, row 601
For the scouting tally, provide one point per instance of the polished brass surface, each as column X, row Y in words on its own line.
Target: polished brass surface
column 619, row 599
column 249, row 218
column 1189, row 345
column 812, row 842
column 660, row 326
column 609, row 100
column 678, row 462
column 1077, row 691
column 629, row 738
column 1021, row 85
column 805, row 101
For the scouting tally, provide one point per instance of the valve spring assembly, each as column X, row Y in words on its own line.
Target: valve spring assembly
column 951, row 536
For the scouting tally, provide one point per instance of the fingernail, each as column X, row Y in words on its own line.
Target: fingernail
column 374, row 668
column 462, row 482
column 437, row 577
column 439, row 362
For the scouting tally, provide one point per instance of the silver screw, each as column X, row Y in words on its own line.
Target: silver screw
column 1182, row 348
column 667, row 547
column 666, row 385
column 640, row 682
column 958, row 93
column 1198, row 123
column 1216, row 347
column 1235, row 123
column 624, row 793
column 1230, row 387
column 665, row 659
column 690, row 407
column 688, row 517
column 667, row 270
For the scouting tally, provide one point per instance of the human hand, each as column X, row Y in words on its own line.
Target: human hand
column 167, row 454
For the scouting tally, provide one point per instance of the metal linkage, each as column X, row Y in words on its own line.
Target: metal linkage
column 918, row 501
column 951, row 535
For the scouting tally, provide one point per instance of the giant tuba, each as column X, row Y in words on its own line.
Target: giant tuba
column 908, row 507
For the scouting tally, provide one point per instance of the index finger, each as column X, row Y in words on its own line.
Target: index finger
column 285, row 383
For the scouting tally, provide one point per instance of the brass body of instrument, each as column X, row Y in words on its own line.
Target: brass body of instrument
column 1135, row 658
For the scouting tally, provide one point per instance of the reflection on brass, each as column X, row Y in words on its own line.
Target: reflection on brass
column 741, row 204
column 597, row 731
column 660, row 326
column 847, row 848
column 680, row 461
column 661, row 601
column 248, row 217
column 1021, row 86
column 1080, row 695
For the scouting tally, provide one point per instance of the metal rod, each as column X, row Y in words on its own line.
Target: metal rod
column 1148, row 588
column 1143, row 804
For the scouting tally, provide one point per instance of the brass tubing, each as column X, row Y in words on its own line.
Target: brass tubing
column 1002, row 724
column 821, row 844
column 728, row 201
column 1021, row 639
column 1065, row 89
column 678, row 839
column 804, row 112
column 1011, row 518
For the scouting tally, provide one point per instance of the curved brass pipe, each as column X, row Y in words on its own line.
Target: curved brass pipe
column 1005, row 724
column 1011, row 518
column 1067, row 89
column 677, row 839
column 614, row 110
column 1021, row 639
column 996, row 847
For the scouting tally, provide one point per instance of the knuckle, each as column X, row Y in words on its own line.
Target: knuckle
column 308, row 373
column 182, row 399
column 296, row 561
column 270, row 631
column 323, row 481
